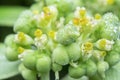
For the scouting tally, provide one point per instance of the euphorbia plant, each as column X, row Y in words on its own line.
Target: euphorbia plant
column 45, row 41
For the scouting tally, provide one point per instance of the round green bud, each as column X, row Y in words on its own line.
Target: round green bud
column 60, row 55
column 24, row 22
column 29, row 61
column 110, row 29
column 11, row 54
column 91, row 68
column 76, row 72
column 67, row 34
column 56, row 67
column 73, row 51
column 112, row 58
column 102, row 66
column 9, row 41
column 28, row 74
column 43, row 64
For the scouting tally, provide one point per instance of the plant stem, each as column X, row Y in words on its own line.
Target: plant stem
column 56, row 75
column 45, row 3
column 45, row 76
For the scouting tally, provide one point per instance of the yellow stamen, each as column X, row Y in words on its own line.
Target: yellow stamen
column 102, row 43
column 83, row 21
column 38, row 33
column 21, row 36
column 110, row 2
column 46, row 10
column 82, row 11
column 97, row 16
column 88, row 46
column 52, row 34
column 20, row 50
column 35, row 12
column 102, row 53
column 76, row 21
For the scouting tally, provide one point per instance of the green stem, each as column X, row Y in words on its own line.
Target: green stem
column 56, row 75
column 45, row 3
column 45, row 76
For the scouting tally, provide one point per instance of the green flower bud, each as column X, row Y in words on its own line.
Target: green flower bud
column 28, row 74
column 67, row 35
column 76, row 72
column 11, row 54
column 29, row 60
column 112, row 58
column 56, row 67
column 9, row 41
column 73, row 51
column 24, row 22
column 111, row 28
column 60, row 55
column 102, row 66
column 43, row 64
column 23, row 39
column 91, row 68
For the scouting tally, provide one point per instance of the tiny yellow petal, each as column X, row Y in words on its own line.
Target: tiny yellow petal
column 51, row 34
column 88, row 46
column 76, row 21
column 38, row 33
column 20, row 50
column 102, row 43
column 82, row 11
column 97, row 16
column 46, row 10
column 83, row 21
column 21, row 36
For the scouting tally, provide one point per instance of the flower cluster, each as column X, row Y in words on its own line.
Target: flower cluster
column 43, row 41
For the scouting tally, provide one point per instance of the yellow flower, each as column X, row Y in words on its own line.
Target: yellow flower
column 76, row 21
column 38, row 33
column 20, row 50
column 51, row 34
column 102, row 43
column 82, row 11
column 21, row 36
column 103, row 53
column 97, row 16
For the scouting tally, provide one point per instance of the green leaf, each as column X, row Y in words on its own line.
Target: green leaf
column 7, row 69
column 9, row 14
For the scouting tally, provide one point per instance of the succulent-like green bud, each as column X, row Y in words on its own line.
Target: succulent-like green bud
column 67, row 35
column 11, row 54
column 56, row 67
column 29, row 74
column 73, row 51
column 111, row 28
column 9, row 41
column 23, row 39
column 102, row 66
column 91, row 68
column 112, row 58
column 43, row 64
column 24, row 22
column 60, row 55
column 29, row 60
column 76, row 72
